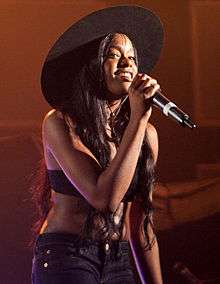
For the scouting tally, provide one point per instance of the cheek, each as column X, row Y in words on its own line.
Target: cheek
column 108, row 73
column 108, row 69
column 135, row 68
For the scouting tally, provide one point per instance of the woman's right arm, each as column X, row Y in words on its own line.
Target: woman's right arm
column 104, row 190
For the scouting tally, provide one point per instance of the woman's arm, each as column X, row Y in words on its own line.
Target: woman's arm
column 147, row 261
column 104, row 190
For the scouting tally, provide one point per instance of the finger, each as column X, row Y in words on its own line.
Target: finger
column 147, row 83
column 139, row 79
column 136, row 79
column 133, row 83
column 150, row 91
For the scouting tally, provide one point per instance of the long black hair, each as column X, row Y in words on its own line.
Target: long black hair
column 86, row 106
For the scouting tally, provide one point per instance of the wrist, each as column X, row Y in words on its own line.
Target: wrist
column 138, row 120
column 136, row 125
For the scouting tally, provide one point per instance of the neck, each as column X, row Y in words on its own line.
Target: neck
column 112, row 105
column 114, row 100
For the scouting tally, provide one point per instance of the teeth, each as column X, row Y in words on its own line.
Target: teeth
column 125, row 74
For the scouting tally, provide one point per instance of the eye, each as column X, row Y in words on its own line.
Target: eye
column 132, row 58
column 113, row 55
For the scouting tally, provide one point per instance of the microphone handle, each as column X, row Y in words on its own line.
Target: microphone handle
column 170, row 109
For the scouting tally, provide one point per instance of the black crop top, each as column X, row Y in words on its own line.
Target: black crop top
column 61, row 184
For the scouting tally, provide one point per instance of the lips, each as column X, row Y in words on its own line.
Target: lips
column 124, row 74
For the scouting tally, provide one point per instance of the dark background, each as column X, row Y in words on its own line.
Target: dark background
column 188, row 74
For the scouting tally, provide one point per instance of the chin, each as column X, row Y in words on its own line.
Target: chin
column 125, row 87
column 116, row 95
column 119, row 91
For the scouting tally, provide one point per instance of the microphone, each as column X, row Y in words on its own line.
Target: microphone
column 170, row 109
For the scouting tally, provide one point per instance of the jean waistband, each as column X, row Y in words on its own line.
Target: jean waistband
column 74, row 239
column 47, row 238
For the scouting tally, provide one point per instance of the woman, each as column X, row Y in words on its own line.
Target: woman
column 100, row 151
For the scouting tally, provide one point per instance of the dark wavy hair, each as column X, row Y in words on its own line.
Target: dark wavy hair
column 87, row 107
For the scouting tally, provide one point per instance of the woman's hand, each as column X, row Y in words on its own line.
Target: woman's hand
column 142, row 88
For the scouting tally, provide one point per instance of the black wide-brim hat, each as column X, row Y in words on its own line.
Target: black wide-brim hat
column 80, row 43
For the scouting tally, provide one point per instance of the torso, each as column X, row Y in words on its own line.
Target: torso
column 69, row 213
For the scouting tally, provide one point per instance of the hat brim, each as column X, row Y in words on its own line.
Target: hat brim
column 79, row 45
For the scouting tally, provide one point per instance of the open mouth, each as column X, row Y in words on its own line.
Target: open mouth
column 124, row 75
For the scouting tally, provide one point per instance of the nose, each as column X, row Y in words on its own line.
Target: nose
column 125, row 62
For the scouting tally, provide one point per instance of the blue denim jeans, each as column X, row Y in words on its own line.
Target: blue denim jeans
column 65, row 258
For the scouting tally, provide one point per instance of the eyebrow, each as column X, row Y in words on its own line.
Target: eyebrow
column 120, row 47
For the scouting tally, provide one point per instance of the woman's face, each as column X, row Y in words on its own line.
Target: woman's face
column 119, row 66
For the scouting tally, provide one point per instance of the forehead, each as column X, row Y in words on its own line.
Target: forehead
column 121, row 40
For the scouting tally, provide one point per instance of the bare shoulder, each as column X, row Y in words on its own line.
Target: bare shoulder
column 56, row 127
column 52, row 118
column 58, row 132
column 55, row 120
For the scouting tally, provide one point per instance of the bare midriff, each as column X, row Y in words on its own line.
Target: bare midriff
column 69, row 214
